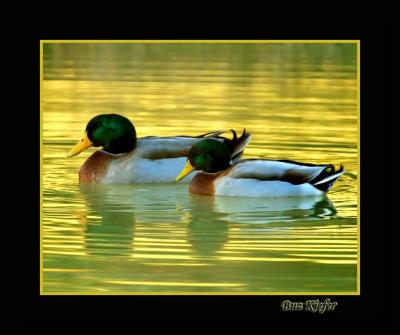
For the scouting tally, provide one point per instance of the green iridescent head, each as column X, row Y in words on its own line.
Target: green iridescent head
column 206, row 155
column 113, row 132
column 209, row 155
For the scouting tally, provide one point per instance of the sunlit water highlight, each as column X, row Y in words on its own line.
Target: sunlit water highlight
column 300, row 102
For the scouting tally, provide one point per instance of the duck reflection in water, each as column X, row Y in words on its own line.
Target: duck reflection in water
column 207, row 229
column 271, row 210
column 211, row 217
column 115, row 211
column 109, row 224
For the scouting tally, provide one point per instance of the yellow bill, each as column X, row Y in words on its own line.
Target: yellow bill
column 186, row 170
column 83, row 144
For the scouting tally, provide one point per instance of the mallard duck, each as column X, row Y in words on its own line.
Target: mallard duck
column 126, row 159
column 253, row 177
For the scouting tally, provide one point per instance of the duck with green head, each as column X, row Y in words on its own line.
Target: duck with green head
column 124, row 158
column 253, row 177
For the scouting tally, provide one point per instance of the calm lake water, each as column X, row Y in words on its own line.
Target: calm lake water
column 300, row 103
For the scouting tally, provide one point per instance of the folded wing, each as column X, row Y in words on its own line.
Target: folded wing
column 153, row 147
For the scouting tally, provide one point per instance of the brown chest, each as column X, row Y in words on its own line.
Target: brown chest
column 95, row 167
column 203, row 183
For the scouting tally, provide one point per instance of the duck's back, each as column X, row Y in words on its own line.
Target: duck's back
column 272, row 178
column 154, row 160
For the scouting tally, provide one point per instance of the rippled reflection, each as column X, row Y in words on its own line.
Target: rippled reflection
column 300, row 103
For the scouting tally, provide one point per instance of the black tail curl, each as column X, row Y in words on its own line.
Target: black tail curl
column 237, row 144
column 325, row 174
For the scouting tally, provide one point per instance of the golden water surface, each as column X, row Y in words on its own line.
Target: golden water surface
column 300, row 103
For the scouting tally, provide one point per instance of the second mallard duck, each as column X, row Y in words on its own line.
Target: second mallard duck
column 125, row 159
column 253, row 177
